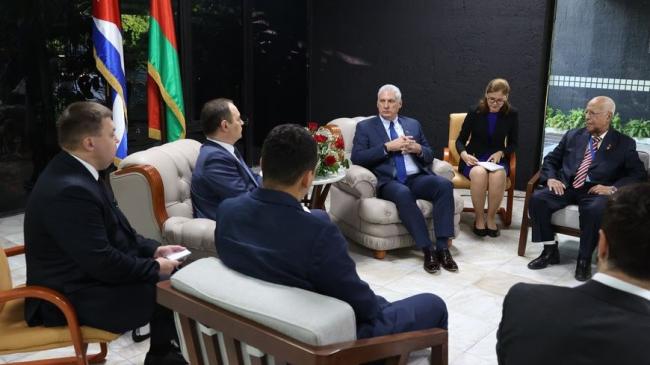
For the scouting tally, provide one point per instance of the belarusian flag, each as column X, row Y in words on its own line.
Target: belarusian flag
column 164, row 74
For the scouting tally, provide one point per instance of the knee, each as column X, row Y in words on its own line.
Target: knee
column 478, row 173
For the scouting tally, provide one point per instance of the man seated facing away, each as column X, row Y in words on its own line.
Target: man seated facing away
column 267, row 234
column 220, row 170
column 395, row 149
column 78, row 242
column 604, row 321
column 587, row 166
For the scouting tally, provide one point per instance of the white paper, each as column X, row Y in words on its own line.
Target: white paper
column 490, row 166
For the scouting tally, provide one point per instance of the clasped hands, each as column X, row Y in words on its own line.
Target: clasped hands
column 558, row 188
column 167, row 266
column 405, row 144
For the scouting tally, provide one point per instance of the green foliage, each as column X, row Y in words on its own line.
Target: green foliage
column 575, row 118
column 134, row 28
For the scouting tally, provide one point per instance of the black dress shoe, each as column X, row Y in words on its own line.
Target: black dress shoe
column 447, row 262
column 550, row 256
column 583, row 269
column 173, row 357
column 431, row 264
column 493, row 232
column 481, row 232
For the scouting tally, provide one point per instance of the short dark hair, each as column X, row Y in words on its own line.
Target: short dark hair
column 213, row 112
column 288, row 151
column 78, row 120
column 626, row 224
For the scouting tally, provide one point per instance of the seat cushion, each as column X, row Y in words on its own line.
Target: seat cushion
column 380, row 211
column 567, row 217
column 16, row 336
column 300, row 314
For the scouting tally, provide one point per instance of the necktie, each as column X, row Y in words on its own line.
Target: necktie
column 246, row 168
column 400, row 167
column 581, row 175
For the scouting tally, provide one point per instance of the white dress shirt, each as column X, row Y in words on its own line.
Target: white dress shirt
column 621, row 285
column 93, row 171
column 411, row 166
column 230, row 148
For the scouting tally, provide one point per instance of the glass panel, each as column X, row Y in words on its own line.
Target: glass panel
column 600, row 47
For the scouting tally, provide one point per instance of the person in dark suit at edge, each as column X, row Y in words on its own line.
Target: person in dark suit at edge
column 269, row 235
column 395, row 149
column 220, row 170
column 78, row 242
column 587, row 166
column 604, row 321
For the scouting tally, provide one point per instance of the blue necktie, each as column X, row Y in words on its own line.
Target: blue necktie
column 248, row 170
column 400, row 167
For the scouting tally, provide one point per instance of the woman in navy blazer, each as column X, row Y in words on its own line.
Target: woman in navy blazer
column 491, row 128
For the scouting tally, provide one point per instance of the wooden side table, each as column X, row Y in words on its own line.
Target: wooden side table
column 320, row 189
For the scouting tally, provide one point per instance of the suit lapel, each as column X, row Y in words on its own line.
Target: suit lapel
column 581, row 145
column 379, row 129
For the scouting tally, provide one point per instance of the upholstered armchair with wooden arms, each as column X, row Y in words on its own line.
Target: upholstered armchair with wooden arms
column 368, row 220
column 461, row 182
column 566, row 220
column 152, row 188
column 245, row 320
column 17, row 337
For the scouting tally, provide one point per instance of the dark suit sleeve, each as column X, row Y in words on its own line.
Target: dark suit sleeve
column 553, row 161
column 223, row 176
column 78, row 227
column 363, row 152
column 513, row 133
column 465, row 131
column 334, row 274
column 634, row 169
column 146, row 246
column 505, row 331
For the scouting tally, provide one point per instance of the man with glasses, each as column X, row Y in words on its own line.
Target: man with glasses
column 587, row 166
column 220, row 170
column 395, row 149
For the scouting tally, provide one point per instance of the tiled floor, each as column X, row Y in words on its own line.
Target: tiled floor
column 474, row 295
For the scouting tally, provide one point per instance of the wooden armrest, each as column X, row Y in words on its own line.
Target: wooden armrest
column 157, row 189
column 532, row 183
column 446, row 155
column 15, row 250
column 54, row 297
column 513, row 168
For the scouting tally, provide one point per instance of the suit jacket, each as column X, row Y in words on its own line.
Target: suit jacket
column 266, row 234
column 218, row 175
column 368, row 148
column 589, row 324
column 616, row 162
column 476, row 127
column 77, row 239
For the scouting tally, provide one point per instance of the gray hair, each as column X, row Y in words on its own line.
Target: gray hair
column 392, row 88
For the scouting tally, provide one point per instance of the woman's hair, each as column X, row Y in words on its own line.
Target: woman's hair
column 495, row 85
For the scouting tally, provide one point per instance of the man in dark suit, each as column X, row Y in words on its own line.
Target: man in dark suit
column 587, row 165
column 78, row 242
column 220, row 170
column 269, row 235
column 395, row 149
column 604, row 321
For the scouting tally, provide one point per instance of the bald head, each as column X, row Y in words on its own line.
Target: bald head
column 606, row 102
column 598, row 114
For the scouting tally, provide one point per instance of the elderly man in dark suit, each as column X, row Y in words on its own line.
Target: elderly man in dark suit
column 395, row 149
column 78, row 242
column 587, row 165
column 220, row 170
column 269, row 235
column 604, row 321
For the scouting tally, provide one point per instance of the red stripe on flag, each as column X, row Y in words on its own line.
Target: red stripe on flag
column 161, row 10
column 153, row 104
column 108, row 10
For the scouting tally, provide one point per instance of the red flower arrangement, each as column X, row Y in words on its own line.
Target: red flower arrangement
column 331, row 150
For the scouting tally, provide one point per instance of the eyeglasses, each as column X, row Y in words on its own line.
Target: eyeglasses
column 492, row 100
column 591, row 113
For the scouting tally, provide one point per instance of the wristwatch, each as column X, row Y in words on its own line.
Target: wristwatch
column 612, row 190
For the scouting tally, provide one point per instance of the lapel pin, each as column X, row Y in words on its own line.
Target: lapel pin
column 608, row 147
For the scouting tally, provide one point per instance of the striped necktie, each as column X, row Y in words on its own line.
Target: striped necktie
column 581, row 175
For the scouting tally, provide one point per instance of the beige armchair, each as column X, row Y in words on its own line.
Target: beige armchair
column 368, row 220
column 566, row 220
column 152, row 188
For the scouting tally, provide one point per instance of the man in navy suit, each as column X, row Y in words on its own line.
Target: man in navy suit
column 78, row 242
column 394, row 148
column 587, row 166
column 604, row 321
column 269, row 235
column 220, row 170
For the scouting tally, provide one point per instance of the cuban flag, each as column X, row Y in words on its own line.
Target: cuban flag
column 109, row 59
